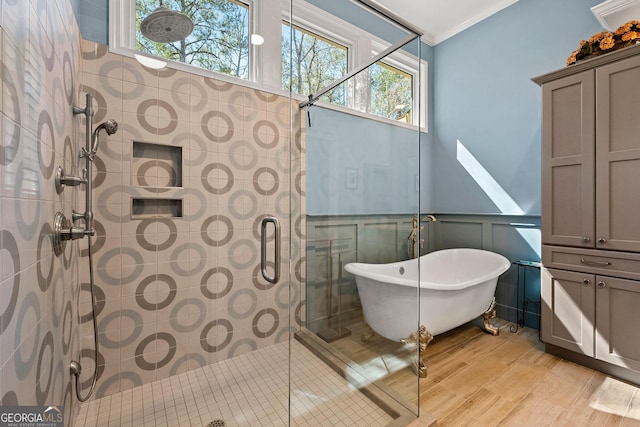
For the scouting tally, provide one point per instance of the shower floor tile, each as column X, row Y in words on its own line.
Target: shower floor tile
column 247, row 390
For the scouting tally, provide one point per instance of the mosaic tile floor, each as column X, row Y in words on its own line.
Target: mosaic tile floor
column 248, row 390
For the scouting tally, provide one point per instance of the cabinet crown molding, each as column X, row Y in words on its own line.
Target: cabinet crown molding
column 588, row 64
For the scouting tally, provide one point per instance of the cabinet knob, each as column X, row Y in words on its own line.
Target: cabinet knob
column 586, row 282
column 585, row 239
column 602, row 240
column 601, row 284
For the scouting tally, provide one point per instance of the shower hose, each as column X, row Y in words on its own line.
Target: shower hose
column 95, row 334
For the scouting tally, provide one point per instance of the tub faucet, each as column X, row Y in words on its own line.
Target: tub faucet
column 412, row 244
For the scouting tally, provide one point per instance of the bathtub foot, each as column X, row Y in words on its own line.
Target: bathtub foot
column 422, row 338
column 490, row 314
column 368, row 334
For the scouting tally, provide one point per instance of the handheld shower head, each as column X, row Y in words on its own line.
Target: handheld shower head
column 110, row 126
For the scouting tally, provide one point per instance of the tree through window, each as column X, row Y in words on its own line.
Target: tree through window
column 317, row 62
column 391, row 92
column 219, row 41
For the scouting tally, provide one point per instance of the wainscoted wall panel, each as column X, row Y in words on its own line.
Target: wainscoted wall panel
column 518, row 239
column 41, row 64
column 179, row 275
column 515, row 237
column 382, row 239
column 451, row 233
column 334, row 241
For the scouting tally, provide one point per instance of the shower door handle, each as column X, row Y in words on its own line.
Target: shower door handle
column 263, row 255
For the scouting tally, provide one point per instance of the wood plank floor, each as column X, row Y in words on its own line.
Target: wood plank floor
column 508, row 380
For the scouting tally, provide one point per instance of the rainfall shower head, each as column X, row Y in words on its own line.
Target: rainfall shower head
column 110, row 126
column 165, row 25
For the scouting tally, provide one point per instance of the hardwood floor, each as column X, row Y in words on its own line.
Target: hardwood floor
column 507, row 380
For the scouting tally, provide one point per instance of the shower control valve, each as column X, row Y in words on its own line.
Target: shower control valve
column 72, row 233
column 63, row 179
column 63, row 230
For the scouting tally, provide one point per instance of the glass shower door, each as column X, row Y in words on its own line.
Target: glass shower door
column 361, row 144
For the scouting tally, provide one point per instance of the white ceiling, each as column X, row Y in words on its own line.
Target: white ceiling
column 441, row 19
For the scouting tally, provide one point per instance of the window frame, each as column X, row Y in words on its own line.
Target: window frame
column 361, row 47
column 404, row 61
column 247, row 4
column 265, row 73
column 122, row 40
column 395, row 69
column 321, row 33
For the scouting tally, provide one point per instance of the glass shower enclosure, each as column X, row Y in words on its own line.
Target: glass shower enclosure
column 225, row 215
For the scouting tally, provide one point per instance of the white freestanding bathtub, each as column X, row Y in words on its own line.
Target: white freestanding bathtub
column 456, row 286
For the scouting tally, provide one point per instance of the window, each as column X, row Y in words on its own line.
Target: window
column 324, row 47
column 391, row 92
column 219, row 41
column 317, row 61
column 387, row 89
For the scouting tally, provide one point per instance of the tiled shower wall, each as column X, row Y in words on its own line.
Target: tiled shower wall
column 40, row 46
column 180, row 287
column 173, row 293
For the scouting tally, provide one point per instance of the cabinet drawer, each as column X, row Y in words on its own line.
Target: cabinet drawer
column 617, row 264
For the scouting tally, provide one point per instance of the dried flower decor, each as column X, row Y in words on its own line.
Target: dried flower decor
column 605, row 42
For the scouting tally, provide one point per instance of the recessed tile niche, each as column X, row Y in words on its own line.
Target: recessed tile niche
column 156, row 167
column 156, row 208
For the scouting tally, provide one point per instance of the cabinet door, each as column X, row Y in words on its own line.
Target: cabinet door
column 568, row 150
column 618, row 321
column 618, row 156
column 568, row 310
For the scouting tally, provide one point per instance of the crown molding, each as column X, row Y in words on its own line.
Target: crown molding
column 428, row 39
column 613, row 13
column 497, row 7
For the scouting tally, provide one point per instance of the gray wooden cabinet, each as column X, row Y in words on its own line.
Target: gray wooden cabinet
column 568, row 160
column 590, row 281
column 617, row 321
column 593, row 315
column 568, row 310
column 617, row 184
column 591, row 158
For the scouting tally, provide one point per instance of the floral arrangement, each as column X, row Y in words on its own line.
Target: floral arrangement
column 604, row 42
